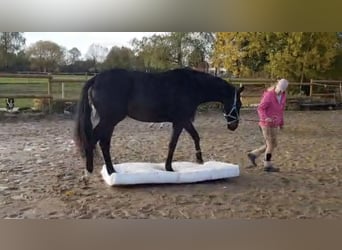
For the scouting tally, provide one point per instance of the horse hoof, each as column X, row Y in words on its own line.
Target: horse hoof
column 110, row 172
column 169, row 169
column 85, row 178
column 200, row 161
column 88, row 171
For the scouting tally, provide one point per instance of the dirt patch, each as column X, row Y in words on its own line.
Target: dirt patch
column 40, row 171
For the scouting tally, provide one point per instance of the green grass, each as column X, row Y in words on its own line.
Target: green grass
column 39, row 86
column 8, row 80
column 78, row 77
column 71, row 90
column 23, row 88
column 18, row 103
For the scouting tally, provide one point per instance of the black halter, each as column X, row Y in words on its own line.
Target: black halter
column 236, row 118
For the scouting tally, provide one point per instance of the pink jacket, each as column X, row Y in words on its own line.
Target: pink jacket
column 270, row 107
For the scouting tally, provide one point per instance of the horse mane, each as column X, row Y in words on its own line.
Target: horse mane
column 207, row 76
column 196, row 78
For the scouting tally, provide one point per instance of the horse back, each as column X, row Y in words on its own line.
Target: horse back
column 150, row 97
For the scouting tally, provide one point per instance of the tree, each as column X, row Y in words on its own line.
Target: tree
column 178, row 43
column 175, row 49
column 10, row 44
column 335, row 71
column 196, row 57
column 154, row 52
column 201, row 48
column 73, row 55
column 45, row 55
column 190, row 48
column 241, row 53
column 21, row 62
column 294, row 55
column 120, row 58
column 97, row 53
column 303, row 55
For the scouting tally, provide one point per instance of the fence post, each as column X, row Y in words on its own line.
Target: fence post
column 62, row 90
column 49, row 86
column 340, row 91
column 50, row 93
column 311, row 88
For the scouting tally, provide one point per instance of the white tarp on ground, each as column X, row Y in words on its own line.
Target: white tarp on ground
column 184, row 172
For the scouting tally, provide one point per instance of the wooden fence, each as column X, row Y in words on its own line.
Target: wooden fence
column 55, row 88
column 303, row 94
column 46, row 90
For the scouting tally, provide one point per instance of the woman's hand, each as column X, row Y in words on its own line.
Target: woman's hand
column 269, row 120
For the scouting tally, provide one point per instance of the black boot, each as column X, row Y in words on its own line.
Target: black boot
column 271, row 169
column 268, row 166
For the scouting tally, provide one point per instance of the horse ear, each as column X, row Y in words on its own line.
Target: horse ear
column 241, row 89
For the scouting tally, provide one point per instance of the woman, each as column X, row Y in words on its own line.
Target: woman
column 271, row 117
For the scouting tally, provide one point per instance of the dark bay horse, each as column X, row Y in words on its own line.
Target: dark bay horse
column 172, row 96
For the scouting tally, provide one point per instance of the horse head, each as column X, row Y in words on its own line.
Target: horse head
column 232, row 109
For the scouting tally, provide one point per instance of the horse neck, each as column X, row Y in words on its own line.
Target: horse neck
column 214, row 93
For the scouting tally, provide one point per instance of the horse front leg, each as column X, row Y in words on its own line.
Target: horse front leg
column 189, row 127
column 176, row 131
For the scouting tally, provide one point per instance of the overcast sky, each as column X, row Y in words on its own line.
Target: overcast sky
column 82, row 40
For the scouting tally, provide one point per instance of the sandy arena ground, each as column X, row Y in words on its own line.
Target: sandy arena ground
column 40, row 172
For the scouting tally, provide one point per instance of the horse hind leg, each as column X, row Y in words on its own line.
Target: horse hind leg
column 90, row 159
column 176, row 131
column 89, row 153
column 104, row 132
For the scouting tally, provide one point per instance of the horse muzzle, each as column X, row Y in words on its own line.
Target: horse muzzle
column 232, row 126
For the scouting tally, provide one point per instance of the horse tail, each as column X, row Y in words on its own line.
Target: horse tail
column 84, row 130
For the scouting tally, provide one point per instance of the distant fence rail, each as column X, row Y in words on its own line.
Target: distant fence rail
column 300, row 94
column 26, row 96
column 68, row 87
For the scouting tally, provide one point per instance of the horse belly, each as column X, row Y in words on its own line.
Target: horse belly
column 147, row 113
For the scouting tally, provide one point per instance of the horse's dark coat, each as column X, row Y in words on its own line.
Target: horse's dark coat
column 172, row 96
